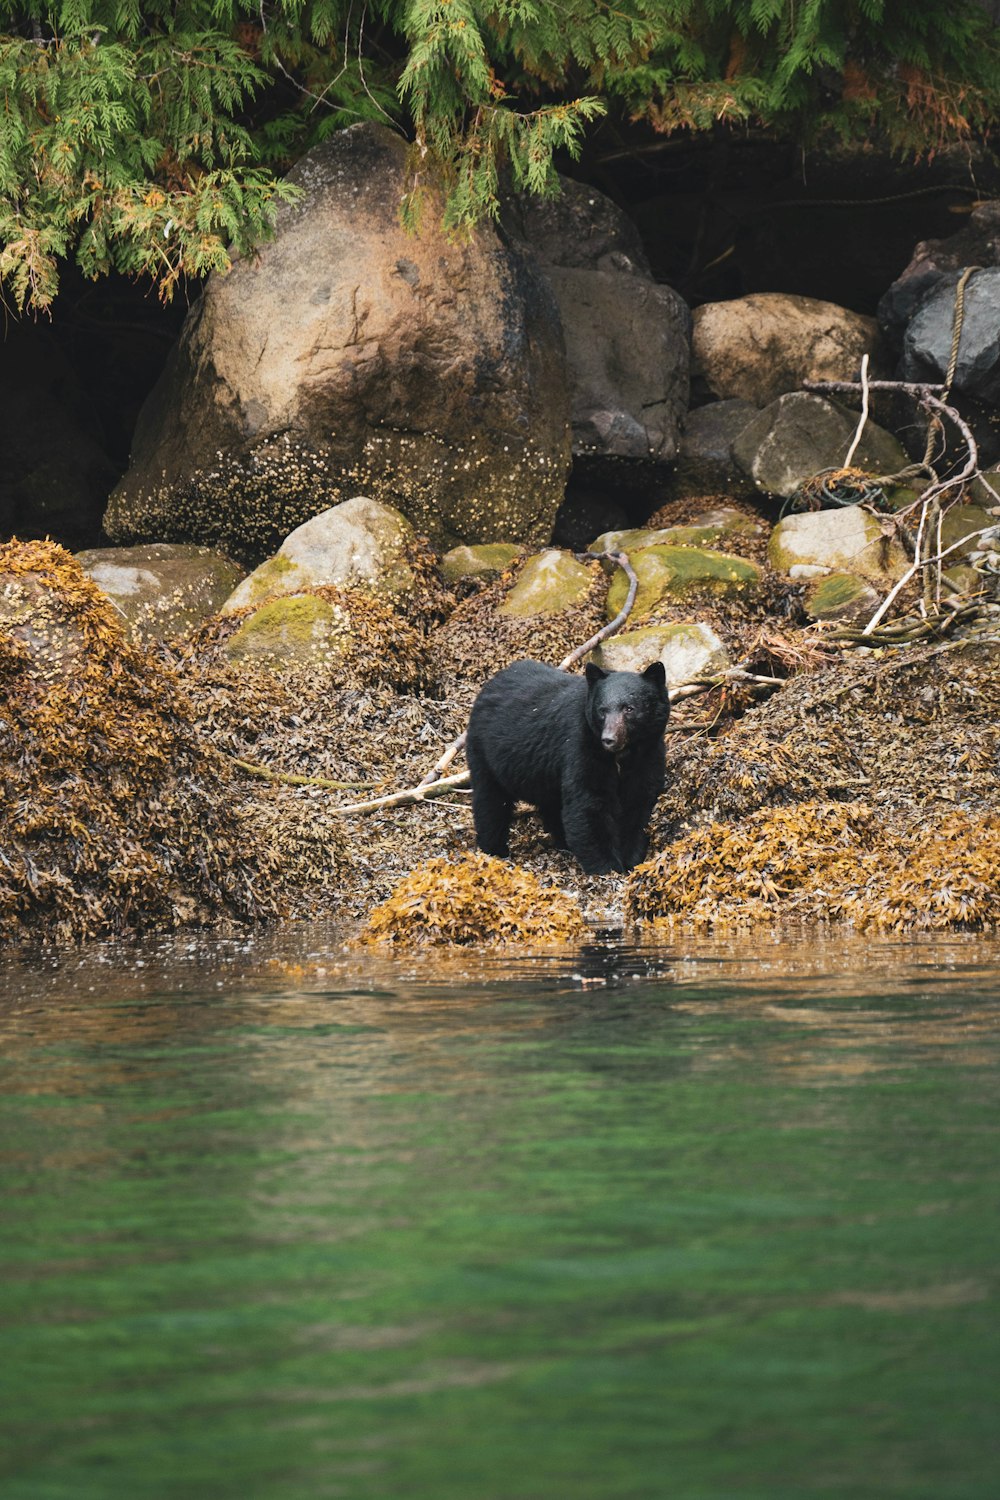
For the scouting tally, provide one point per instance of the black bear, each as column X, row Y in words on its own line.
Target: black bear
column 586, row 751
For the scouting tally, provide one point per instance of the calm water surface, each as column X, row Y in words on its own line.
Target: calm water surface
column 713, row 1222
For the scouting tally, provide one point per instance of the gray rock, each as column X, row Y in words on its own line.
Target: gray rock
column 485, row 560
column 978, row 244
column 927, row 340
column 799, row 435
column 549, row 582
column 580, row 229
column 705, row 463
column 162, row 590
column 845, row 541
column 627, row 337
column 347, row 356
column 627, row 350
column 358, row 544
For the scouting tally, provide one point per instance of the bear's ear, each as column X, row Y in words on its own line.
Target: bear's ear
column 656, row 673
column 594, row 673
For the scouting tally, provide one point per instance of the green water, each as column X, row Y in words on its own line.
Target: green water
column 715, row 1221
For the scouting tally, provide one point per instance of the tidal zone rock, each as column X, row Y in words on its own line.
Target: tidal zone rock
column 116, row 816
column 161, row 589
column 350, row 356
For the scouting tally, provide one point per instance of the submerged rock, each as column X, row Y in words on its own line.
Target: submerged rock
column 347, row 356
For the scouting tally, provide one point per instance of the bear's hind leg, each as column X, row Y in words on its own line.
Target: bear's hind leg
column 492, row 809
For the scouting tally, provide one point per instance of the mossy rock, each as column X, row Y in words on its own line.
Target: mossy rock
column 841, row 596
column 163, row 590
column 358, row 544
column 687, row 650
column 301, row 630
column 849, row 540
column 701, row 531
column 352, row 637
column 673, row 573
column 484, row 560
column 963, row 521
column 549, row 583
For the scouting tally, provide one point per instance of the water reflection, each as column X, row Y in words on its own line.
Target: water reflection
column 285, row 1220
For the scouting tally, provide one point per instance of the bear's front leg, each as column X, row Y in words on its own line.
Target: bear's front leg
column 590, row 825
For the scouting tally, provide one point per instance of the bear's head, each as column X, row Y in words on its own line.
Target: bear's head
column 626, row 710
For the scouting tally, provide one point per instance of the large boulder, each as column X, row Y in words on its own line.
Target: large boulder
column 350, row 355
column 759, row 347
column 627, row 336
column 978, row 244
column 799, row 435
column 929, row 335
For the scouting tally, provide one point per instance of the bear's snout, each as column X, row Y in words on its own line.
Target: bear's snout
column 614, row 733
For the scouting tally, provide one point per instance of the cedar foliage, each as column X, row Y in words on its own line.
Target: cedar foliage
column 145, row 136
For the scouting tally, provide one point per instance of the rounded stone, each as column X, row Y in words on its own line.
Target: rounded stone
column 162, row 589
column 358, row 544
column 549, row 582
column 687, row 651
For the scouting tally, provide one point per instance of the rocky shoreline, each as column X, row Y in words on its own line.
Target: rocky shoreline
column 379, row 468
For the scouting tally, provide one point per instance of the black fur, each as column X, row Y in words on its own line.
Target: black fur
column 586, row 751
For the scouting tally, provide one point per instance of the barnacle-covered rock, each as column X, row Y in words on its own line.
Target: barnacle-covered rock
column 475, row 900
column 115, row 815
column 353, row 637
column 162, row 589
column 351, row 357
column 484, row 560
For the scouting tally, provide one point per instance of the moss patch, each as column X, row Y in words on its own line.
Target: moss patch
column 666, row 573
